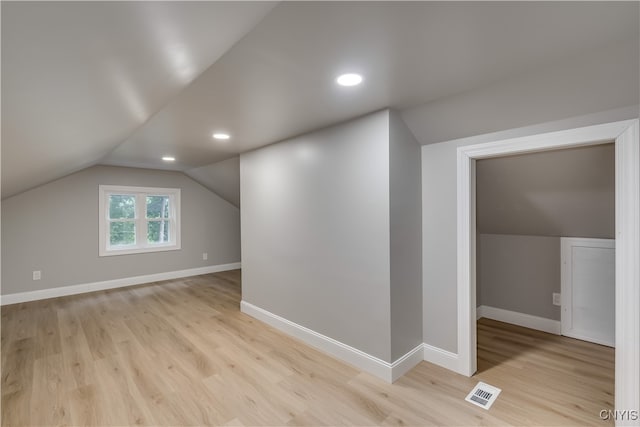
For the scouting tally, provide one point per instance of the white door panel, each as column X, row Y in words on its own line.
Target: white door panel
column 588, row 290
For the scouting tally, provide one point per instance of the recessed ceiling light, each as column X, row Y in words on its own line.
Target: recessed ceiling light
column 221, row 135
column 169, row 159
column 349, row 79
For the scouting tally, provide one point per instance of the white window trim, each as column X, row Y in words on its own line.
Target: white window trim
column 142, row 246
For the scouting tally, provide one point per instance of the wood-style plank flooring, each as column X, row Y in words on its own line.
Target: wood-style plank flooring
column 181, row 353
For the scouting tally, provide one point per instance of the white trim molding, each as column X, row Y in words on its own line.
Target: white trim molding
column 140, row 220
column 407, row 362
column 112, row 284
column 384, row 370
column 625, row 134
column 441, row 357
column 627, row 389
column 521, row 319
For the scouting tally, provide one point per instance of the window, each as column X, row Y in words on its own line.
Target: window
column 138, row 219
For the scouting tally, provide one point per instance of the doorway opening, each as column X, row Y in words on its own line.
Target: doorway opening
column 627, row 239
column 527, row 207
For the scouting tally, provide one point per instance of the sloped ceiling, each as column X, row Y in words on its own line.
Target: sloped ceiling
column 568, row 193
column 126, row 83
column 223, row 178
column 79, row 77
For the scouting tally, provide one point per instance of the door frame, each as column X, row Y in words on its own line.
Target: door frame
column 627, row 189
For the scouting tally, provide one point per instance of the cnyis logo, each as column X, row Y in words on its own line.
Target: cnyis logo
column 620, row 414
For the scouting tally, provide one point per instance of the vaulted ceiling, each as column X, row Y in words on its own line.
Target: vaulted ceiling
column 79, row 78
column 125, row 83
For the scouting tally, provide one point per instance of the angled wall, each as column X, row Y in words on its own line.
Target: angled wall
column 548, row 193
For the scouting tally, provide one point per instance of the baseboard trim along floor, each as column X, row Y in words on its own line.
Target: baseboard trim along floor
column 389, row 372
column 520, row 319
column 112, row 284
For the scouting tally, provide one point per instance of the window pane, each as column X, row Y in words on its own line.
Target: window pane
column 158, row 231
column 157, row 206
column 122, row 206
column 122, row 233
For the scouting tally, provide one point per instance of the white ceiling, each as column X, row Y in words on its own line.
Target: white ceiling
column 79, row 77
column 112, row 83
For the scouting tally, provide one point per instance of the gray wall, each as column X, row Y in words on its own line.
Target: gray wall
column 54, row 228
column 548, row 193
column 439, row 309
column 406, row 234
column 520, row 200
column 315, row 232
column 519, row 273
column 439, row 164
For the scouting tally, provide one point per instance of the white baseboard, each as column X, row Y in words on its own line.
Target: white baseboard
column 407, row 362
column 520, row 319
column 441, row 357
column 112, row 284
column 387, row 371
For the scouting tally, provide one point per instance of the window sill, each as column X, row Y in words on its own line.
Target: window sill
column 143, row 250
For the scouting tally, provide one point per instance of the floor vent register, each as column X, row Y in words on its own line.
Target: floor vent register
column 483, row 395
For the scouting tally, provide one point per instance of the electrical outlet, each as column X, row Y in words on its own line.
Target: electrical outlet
column 37, row 275
column 556, row 299
column 205, row 256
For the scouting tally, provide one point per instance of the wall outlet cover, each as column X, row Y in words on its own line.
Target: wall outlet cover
column 557, row 300
column 37, row 275
column 205, row 256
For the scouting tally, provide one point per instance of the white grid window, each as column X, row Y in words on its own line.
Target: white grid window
column 138, row 219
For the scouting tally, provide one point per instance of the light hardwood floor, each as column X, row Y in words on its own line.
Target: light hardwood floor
column 181, row 353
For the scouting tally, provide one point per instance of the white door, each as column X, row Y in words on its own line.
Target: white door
column 588, row 289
